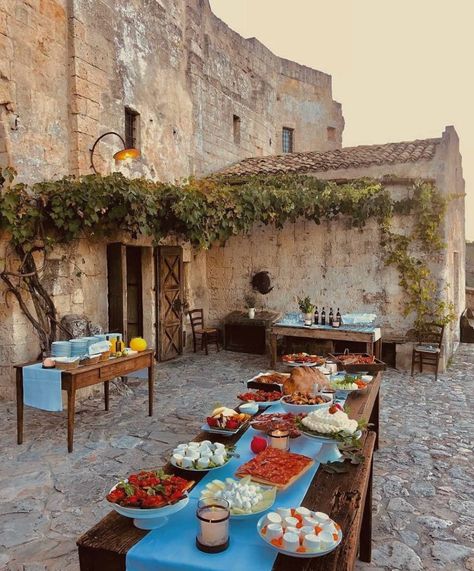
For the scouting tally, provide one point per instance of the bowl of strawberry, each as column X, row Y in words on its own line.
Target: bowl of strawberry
column 261, row 397
column 149, row 497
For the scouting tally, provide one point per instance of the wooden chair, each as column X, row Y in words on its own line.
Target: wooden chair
column 428, row 348
column 208, row 334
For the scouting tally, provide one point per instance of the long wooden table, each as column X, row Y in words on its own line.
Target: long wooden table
column 371, row 337
column 347, row 498
column 75, row 379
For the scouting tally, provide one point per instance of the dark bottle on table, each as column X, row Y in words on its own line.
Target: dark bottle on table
column 323, row 317
column 331, row 315
column 316, row 316
column 336, row 322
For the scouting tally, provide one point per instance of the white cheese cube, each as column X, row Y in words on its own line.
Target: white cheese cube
column 291, row 541
column 203, row 462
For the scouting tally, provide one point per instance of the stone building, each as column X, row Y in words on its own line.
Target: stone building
column 194, row 97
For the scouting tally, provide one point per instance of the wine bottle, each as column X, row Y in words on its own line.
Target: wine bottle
column 337, row 319
column 331, row 315
column 323, row 317
column 316, row 316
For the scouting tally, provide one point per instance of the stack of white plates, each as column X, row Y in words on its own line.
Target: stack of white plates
column 79, row 347
column 60, row 349
column 90, row 340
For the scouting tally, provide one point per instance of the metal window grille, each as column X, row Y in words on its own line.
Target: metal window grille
column 287, row 140
column 131, row 128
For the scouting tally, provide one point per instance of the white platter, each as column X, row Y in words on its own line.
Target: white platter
column 149, row 518
column 262, row 404
column 304, row 408
column 256, row 378
column 329, row 451
column 173, row 463
column 206, row 428
column 308, row 555
column 251, row 514
column 301, row 364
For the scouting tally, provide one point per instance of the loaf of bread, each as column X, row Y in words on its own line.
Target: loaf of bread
column 303, row 380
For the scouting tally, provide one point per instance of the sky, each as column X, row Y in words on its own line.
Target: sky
column 402, row 69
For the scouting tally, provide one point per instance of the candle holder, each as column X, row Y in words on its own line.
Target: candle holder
column 213, row 515
column 279, row 439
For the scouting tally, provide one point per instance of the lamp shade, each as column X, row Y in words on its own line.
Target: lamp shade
column 125, row 154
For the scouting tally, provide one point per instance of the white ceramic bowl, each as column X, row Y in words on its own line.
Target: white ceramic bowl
column 304, row 408
column 149, row 518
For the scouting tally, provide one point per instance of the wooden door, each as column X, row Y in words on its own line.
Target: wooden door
column 117, row 287
column 134, row 293
column 169, row 302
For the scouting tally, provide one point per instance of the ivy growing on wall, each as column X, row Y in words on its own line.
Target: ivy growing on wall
column 205, row 211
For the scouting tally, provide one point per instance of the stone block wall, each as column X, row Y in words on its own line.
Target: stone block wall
column 34, row 119
column 80, row 62
column 470, row 264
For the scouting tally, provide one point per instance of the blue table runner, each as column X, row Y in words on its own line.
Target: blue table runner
column 42, row 387
column 172, row 547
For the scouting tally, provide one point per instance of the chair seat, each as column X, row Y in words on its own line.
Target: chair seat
column 427, row 349
column 205, row 330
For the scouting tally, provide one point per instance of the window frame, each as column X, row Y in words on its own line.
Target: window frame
column 236, row 126
column 287, row 136
column 132, row 128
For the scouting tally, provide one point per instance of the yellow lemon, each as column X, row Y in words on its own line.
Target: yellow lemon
column 138, row 344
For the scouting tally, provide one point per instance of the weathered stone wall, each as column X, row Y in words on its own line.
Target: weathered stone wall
column 34, row 122
column 79, row 63
column 470, row 264
column 343, row 268
column 470, row 298
column 335, row 265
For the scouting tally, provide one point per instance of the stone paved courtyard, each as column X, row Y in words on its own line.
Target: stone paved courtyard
column 423, row 496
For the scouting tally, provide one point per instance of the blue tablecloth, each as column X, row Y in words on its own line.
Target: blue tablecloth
column 42, row 387
column 172, row 547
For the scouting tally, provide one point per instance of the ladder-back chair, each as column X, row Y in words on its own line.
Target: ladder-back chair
column 207, row 334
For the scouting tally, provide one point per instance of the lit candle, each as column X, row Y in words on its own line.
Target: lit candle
column 213, row 515
column 279, row 439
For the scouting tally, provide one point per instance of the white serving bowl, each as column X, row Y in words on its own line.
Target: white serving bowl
column 149, row 518
column 304, row 408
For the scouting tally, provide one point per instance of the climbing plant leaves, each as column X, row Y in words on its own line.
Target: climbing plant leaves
column 205, row 211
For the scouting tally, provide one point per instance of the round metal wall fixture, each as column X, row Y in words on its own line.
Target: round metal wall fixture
column 262, row 282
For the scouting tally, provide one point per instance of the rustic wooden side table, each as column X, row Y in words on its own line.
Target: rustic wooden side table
column 102, row 372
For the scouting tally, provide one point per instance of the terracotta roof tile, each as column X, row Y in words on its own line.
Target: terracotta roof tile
column 347, row 157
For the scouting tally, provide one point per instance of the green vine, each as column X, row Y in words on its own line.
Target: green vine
column 423, row 297
column 206, row 211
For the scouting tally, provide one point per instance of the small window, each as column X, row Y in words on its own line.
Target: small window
column 132, row 119
column 331, row 133
column 236, row 127
column 287, row 140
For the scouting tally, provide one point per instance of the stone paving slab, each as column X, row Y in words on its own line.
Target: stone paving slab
column 424, row 469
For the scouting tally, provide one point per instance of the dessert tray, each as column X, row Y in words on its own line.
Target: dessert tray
column 299, row 532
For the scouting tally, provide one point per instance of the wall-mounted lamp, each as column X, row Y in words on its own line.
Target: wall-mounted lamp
column 122, row 155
